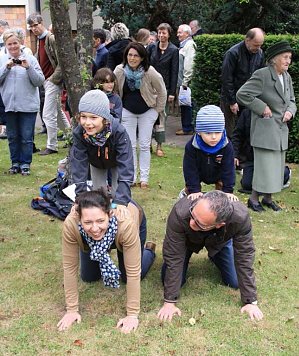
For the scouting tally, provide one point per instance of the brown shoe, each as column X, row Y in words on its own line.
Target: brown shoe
column 150, row 245
column 47, row 151
column 143, row 185
column 183, row 133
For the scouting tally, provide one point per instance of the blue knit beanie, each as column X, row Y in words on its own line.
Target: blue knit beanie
column 95, row 102
column 209, row 118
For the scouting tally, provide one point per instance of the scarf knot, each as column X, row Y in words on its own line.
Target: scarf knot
column 211, row 149
column 99, row 252
column 134, row 77
column 100, row 138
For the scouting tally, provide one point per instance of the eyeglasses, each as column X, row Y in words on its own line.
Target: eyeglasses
column 198, row 224
column 133, row 55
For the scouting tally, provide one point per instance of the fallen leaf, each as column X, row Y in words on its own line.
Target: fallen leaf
column 285, row 277
column 78, row 343
column 192, row 321
column 291, row 318
column 261, row 220
column 202, row 312
column 259, row 262
column 275, row 249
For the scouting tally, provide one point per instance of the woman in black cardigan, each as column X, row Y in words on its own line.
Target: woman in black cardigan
column 164, row 57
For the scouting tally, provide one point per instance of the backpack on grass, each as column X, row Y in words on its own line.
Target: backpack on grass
column 52, row 200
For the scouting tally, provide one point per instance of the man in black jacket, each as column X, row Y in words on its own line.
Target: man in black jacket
column 224, row 228
column 239, row 63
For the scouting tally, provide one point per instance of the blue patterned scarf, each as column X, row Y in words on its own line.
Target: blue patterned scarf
column 99, row 252
column 134, row 77
column 100, row 138
column 211, row 149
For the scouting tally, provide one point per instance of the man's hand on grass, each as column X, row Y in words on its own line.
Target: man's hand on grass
column 253, row 311
column 168, row 311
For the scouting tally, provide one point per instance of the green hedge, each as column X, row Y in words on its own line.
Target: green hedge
column 206, row 82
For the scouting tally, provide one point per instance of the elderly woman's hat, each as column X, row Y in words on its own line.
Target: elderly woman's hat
column 278, row 48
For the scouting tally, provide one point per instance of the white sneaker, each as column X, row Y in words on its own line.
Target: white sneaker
column 182, row 194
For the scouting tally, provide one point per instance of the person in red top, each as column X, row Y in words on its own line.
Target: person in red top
column 47, row 58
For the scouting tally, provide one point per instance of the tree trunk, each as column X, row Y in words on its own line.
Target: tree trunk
column 66, row 52
column 84, row 39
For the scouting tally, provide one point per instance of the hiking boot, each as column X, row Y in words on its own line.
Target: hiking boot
column 150, row 245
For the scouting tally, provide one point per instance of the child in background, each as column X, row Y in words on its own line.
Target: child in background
column 209, row 155
column 105, row 80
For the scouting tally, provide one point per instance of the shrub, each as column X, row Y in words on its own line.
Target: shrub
column 206, row 83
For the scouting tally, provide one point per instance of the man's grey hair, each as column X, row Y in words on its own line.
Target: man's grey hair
column 34, row 18
column 219, row 204
column 4, row 23
column 186, row 28
column 108, row 35
column 253, row 32
column 195, row 23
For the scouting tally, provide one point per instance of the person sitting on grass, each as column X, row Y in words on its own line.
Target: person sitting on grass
column 89, row 232
column 101, row 143
column 209, row 155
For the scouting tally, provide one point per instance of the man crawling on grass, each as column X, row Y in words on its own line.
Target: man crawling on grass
column 223, row 227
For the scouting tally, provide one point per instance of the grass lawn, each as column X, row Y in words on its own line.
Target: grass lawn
column 31, row 277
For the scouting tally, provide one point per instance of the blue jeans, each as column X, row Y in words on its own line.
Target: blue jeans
column 186, row 118
column 90, row 270
column 224, row 261
column 20, row 133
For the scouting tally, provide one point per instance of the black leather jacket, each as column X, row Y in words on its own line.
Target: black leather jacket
column 237, row 67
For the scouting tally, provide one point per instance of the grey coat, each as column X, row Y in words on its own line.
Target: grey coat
column 262, row 89
column 19, row 86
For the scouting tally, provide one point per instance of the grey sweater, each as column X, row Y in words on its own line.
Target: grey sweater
column 19, row 86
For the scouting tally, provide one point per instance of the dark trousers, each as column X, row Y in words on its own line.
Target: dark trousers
column 223, row 260
column 186, row 118
column 90, row 270
column 246, row 181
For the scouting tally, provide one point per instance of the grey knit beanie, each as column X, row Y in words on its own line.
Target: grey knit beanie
column 209, row 118
column 95, row 102
column 119, row 31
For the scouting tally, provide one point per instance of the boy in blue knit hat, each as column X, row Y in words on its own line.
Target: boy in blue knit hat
column 209, row 155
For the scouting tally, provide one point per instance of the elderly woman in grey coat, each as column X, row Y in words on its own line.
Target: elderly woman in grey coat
column 270, row 96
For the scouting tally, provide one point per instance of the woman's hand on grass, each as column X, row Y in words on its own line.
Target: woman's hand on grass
column 128, row 324
column 68, row 320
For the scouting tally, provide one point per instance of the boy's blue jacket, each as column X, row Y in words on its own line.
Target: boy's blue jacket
column 199, row 166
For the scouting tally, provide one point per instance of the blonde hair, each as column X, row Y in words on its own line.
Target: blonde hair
column 10, row 33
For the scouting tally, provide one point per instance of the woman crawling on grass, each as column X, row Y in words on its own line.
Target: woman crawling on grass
column 88, row 236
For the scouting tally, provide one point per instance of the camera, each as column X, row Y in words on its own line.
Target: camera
column 16, row 61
